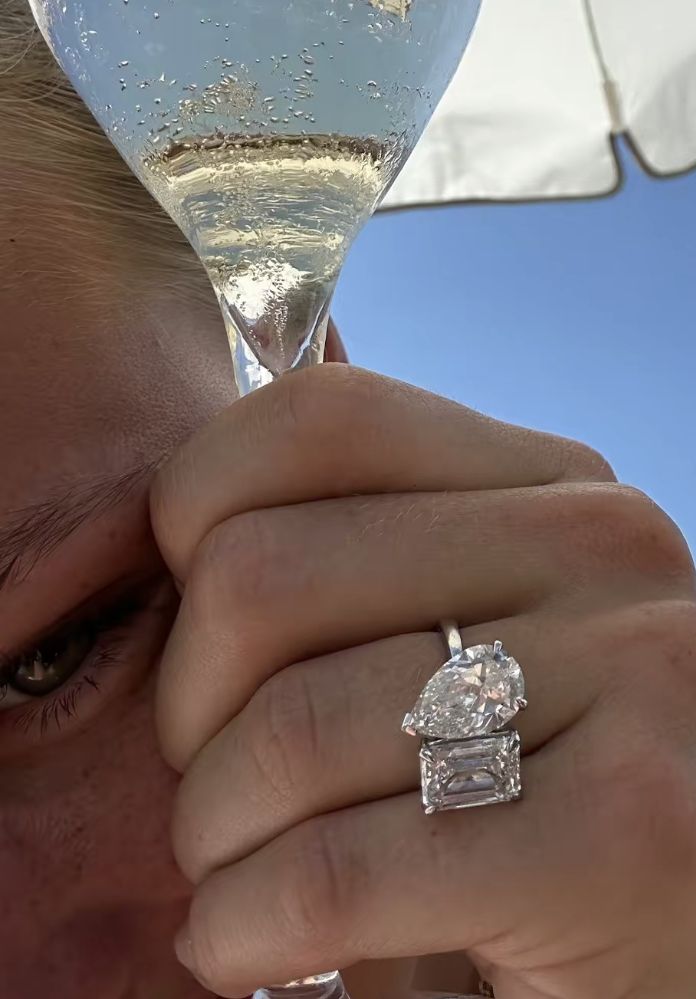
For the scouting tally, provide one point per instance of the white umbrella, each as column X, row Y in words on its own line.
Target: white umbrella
column 542, row 91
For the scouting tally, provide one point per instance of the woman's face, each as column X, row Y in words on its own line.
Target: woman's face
column 92, row 398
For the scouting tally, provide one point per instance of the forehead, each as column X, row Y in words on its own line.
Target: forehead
column 85, row 388
column 87, row 396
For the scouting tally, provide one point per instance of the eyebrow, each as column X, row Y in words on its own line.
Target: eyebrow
column 31, row 534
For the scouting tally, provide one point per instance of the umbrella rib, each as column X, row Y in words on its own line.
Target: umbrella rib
column 609, row 85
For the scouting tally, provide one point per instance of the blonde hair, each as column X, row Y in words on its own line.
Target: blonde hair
column 55, row 158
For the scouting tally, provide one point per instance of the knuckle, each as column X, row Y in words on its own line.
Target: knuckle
column 161, row 507
column 285, row 743
column 235, row 567
column 317, row 900
column 621, row 525
column 324, row 402
column 188, row 831
column 676, row 638
column 581, row 463
column 212, row 951
column 644, row 801
column 169, row 492
column 661, row 640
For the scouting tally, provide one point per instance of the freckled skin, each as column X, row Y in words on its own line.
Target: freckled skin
column 83, row 856
column 91, row 895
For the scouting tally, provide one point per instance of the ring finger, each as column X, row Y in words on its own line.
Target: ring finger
column 325, row 893
column 324, row 734
column 279, row 586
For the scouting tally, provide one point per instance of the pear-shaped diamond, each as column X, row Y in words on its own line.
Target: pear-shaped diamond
column 475, row 693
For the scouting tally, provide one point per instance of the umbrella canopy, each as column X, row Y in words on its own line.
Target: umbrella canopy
column 542, row 91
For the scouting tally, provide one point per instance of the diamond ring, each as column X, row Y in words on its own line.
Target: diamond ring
column 466, row 759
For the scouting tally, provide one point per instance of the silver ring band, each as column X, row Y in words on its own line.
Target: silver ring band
column 453, row 637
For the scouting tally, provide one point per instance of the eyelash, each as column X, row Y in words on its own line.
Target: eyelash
column 110, row 631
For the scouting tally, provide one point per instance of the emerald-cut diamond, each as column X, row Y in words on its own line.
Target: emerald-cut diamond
column 477, row 692
column 463, row 774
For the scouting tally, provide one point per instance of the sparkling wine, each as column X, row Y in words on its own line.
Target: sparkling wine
column 271, row 218
column 210, row 101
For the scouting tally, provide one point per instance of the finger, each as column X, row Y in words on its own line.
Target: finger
column 279, row 586
column 309, row 741
column 506, row 884
column 606, row 815
column 276, row 587
column 355, row 885
column 338, row 431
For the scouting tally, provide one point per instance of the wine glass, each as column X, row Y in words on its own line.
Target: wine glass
column 269, row 130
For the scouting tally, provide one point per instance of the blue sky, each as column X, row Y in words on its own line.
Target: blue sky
column 577, row 318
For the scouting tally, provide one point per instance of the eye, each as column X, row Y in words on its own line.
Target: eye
column 82, row 664
column 41, row 670
column 48, row 667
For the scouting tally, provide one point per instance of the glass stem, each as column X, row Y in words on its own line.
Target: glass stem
column 332, row 989
column 252, row 365
column 251, row 374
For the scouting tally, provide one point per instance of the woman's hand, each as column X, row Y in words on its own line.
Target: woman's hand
column 319, row 530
